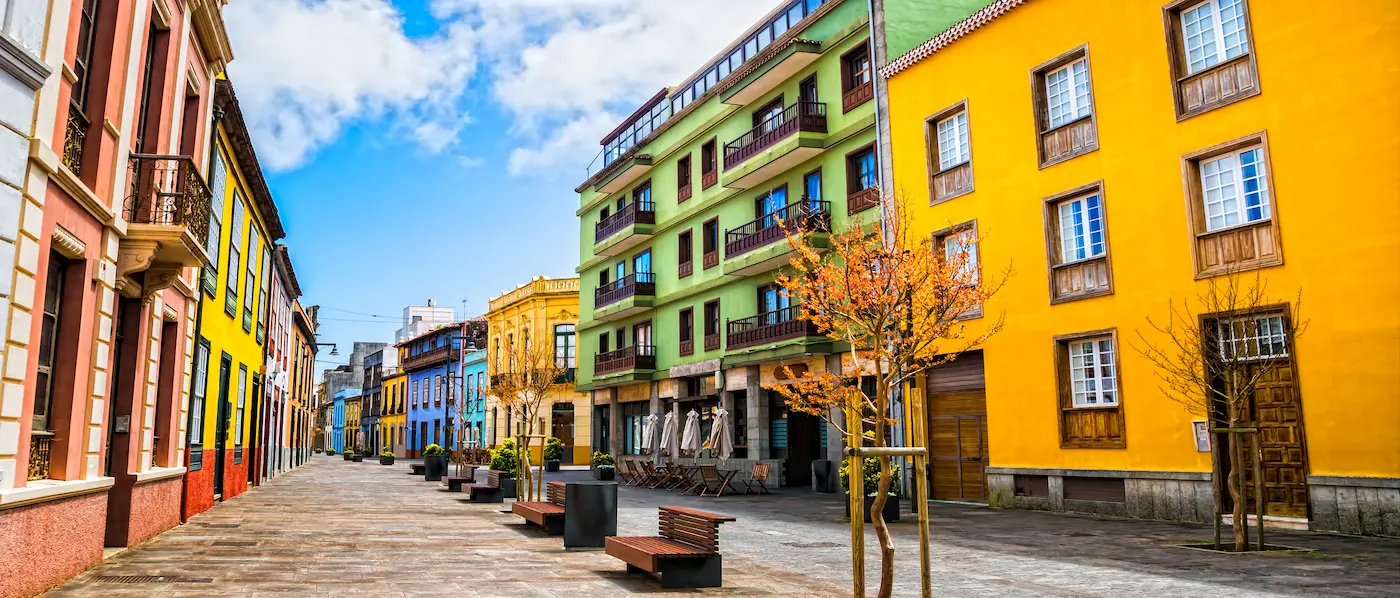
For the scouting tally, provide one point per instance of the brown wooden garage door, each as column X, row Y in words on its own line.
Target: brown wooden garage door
column 957, row 407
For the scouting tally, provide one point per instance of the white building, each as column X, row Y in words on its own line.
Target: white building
column 418, row 319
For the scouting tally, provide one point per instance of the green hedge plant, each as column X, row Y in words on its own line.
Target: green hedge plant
column 553, row 449
column 601, row 460
column 504, row 457
column 434, row 449
column 870, row 471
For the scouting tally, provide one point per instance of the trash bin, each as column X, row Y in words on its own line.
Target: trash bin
column 821, row 476
column 590, row 513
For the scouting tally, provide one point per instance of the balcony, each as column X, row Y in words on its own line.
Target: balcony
column 427, row 358
column 626, row 359
column 625, row 296
column 775, row 145
column 768, row 328
column 630, row 226
column 856, row 97
column 754, row 247
column 74, row 138
column 796, row 55
column 862, row 200
column 167, row 214
column 40, row 455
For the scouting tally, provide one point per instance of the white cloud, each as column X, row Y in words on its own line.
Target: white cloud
column 471, row 161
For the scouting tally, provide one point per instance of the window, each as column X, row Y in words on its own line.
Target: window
column 957, row 246
column 565, row 346
column 641, row 197
column 415, row 394
column 250, row 282
column 856, row 86
column 1252, row 338
column 1064, row 107
column 235, row 235
column 48, row 340
column 687, row 331
column 710, row 242
column 1209, row 51
column 683, row 172
column 685, row 248
column 812, row 186
column 709, row 168
column 860, row 170
column 263, row 296
column 807, row 90
column 603, row 343
column 1232, row 207
column 1091, row 414
column 1092, row 379
column 437, row 389
column 218, row 181
column 198, row 389
column 950, row 153
column 240, row 401
column 712, row 325
column 767, row 205
column 1077, row 243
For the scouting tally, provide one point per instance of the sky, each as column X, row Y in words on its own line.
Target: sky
column 430, row 148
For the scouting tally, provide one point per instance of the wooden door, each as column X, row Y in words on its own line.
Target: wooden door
column 562, row 427
column 957, row 408
column 1279, row 414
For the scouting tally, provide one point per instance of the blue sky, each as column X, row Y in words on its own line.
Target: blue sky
column 429, row 148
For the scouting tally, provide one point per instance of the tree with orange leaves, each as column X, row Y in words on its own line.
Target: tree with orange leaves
column 903, row 305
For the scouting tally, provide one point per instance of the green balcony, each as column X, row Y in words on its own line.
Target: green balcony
column 626, row 296
column 631, row 226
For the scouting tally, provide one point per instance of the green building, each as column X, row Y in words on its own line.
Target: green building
column 680, row 241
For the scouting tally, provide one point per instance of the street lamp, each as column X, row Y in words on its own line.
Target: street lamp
column 334, row 350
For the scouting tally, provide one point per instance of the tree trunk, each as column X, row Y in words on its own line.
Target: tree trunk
column 1236, row 484
column 877, row 506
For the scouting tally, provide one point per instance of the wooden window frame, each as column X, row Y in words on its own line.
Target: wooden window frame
column 810, row 81
column 1065, row 401
column 709, row 170
column 850, row 100
column 685, row 182
column 1247, row 236
column 687, row 345
column 1054, row 256
column 719, row 324
column 934, row 164
column 767, row 107
column 710, row 259
column 940, row 236
column 685, row 263
column 1086, row 127
column 1241, row 67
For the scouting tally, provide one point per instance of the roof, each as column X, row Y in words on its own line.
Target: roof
column 952, row 34
column 242, row 148
column 435, row 330
column 284, row 263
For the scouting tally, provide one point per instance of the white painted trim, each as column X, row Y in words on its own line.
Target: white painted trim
column 179, row 95
column 140, row 18
column 159, row 473
column 49, row 490
column 47, row 108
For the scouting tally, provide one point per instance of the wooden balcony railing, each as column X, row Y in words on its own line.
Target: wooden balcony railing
column 712, row 341
column 802, row 215
column 626, row 216
column 802, row 116
column 855, row 97
column 426, row 358
column 687, row 347
column 168, row 190
column 863, row 200
column 684, row 192
column 40, row 455
column 708, row 179
column 635, row 357
column 768, row 327
column 633, row 285
column 685, row 269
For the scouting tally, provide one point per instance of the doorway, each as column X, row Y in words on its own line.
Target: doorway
column 221, row 424
column 562, row 427
column 957, row 413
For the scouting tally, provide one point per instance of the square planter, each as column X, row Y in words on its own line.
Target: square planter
column 435, row 466
column 358, row 458
column 890, row 514
column 604, row 474
column 551, row 466
column 386, row 460
column 348, row 456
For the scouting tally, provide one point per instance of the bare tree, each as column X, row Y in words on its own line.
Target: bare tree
column 1211, row 354
column 534, row 374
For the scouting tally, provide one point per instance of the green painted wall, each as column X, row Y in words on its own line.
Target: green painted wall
column 839, row 31
column 909, row 23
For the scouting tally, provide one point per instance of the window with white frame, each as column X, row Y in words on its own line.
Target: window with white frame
column 1067, row 93
column 1093, row 381
column 1253, row 337
column 238, row 411
column 1213, row 31
column 953, row 141
column 195, row 435
column 1081, row 229
column 1235, row 189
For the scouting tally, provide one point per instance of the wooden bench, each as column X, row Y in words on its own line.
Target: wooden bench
column 488, row 492
column 454, row 482
column 685, row 554
column 548, row 515
column 418, row 469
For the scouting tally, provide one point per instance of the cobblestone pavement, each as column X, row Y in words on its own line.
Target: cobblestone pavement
column 332, row 528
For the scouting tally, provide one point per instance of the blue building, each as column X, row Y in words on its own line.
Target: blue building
column 429, row 361
column 338, row 418
column 474, row 394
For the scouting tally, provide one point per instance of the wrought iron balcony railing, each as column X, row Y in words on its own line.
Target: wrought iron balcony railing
column 639, row 284
column 40, row 455
column 635, row 357
column 802, row 116
column 803, row 215
column 626, row 216
column 74, row 137
column 168, row 190
column 768, row 327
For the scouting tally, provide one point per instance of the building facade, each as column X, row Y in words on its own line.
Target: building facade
column 473, row 406
column 418, row 319
column 301, row 393
column 778, row 128
column 542, row 310
column 376, row 402
column 393, row 422
column 103, row 224
column 278, row 419
column 227, row 427
column 1065, row 133
column 431, row 364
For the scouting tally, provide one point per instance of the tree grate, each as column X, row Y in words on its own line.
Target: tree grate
column 812, row 544
column 220, row 525
column 237, row 543
column 149, row 579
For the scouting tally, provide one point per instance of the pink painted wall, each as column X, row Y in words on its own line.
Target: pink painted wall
column 155, row 507
column 44, row 545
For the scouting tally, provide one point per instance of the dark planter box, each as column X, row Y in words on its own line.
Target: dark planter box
column 551, row 466
column 358, row 459
column 605, row 474
column 507, row 487
column 891, row 512
column 386, row 460
column 435, row 466
column 348, row 456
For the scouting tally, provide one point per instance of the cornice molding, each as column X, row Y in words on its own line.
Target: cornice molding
column 17, row 61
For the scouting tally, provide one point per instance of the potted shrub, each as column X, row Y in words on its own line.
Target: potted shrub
column 435, row 463
column 348, row 453
column 870, row 470
column 553, row 453
column 506, row 462
column 386, row 457
column 604, row 466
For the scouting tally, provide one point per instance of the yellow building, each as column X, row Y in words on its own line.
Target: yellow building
column 229, row 356
column 393, row 424
column 542, row 310
column 1117, row 173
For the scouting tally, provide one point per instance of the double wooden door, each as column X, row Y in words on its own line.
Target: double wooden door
column 957, row 413
column 1279, row 414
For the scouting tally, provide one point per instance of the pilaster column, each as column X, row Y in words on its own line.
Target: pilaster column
column 759, row 440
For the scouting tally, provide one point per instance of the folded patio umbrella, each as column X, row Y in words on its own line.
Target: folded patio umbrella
column 649, row 432
column 670, row 441
column 721, row 439
column 690, row 441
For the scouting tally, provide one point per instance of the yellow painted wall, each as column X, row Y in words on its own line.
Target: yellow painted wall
column 539, row 309
column 1330, row 104
column 224, row 332
column 397, row 387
